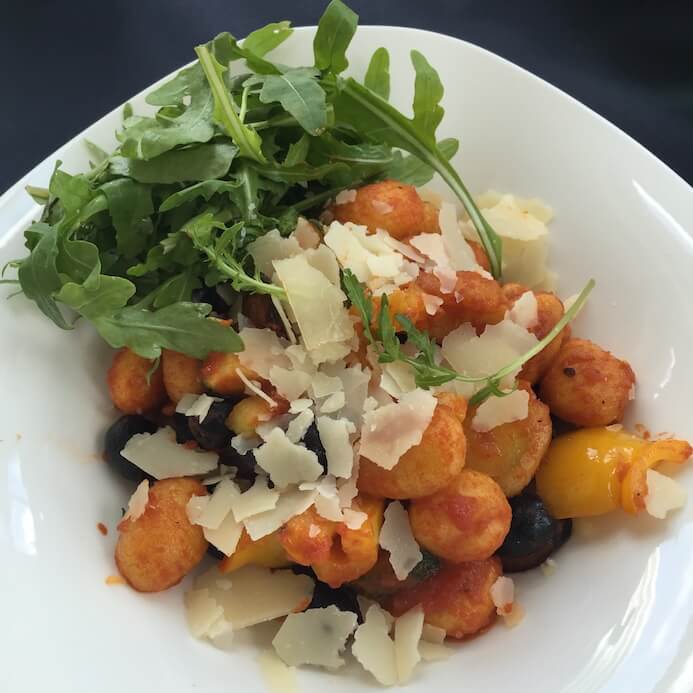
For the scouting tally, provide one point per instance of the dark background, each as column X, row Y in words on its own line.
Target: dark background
column 65, row 64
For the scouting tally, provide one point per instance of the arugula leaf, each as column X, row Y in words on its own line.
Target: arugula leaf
column 106, row 295
column 410, row 169
column 248, row 141
column 300, row 94
column 377, row 77
column 196, row 163
column 225, row 49
column 130, row 205
column 96, row 154
column 78, row 260
column 205, row 189
column 262, row 41
column 336, row 28
column 176, row 289
column 38, row 195
column 297, row 152
column 180, row 326
column 73, row 191
column 38, row 274
column 377, row 120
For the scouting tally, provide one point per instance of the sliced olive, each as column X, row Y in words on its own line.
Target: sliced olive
column 115, row 440
column 344, row 597
column 534, row 535
column 212, row 433
column 245, row 464
column 312, row 441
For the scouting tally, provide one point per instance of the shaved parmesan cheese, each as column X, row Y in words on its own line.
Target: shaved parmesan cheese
column 195, row 507
column 355, row 381
column 483, row 355
column 219, row 505
column 433, row 652
column 306, row 234
column 196, row 405
column 285, row 461
column 532, row 205
column 317, row 304
column 226, row 536
column 348, row 490
column 524, row 311
column 263, row 349
column 259, row 498
column 334, row 436
column 515, row 617
column 381, row 206
column 160, row 456
column 290, row 384
column 345, row 196
column 323, row 385
column 289, row 504
column 408, row 629
column 433, row 634
column 664, row 494
column 333, row 403
column 324, row 260
column 253, row 388
column 373, row 647
column 256, row 595
column 220, row 634
column 245, row 443
column 391, row 430
column 496, row 411
column 279, row 307
column 316, row 636
column 138, row 501
column 397, row 378
column 403, row 248
column 354, row 519
column 460, row 254
column 202, row 611
column 503, row 594
column 432, row 303
column 396, row 537
column 299, row 405
column 298, row 426
column 271, row 246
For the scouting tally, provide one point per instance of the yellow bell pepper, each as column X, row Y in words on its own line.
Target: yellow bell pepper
column 596, row 470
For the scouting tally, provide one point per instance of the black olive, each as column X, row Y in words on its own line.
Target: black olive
column 208, row 294
column 427, row 567
column 117, row 436
column 534, row 535
column 344, row 597
column 312, row 441
column 180, row 424
column 212, row 433
column 402, row 337
column 213, row 552
column 245, row 464
column 260, row 309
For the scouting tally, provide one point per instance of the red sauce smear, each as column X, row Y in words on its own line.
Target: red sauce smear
column 102, row 528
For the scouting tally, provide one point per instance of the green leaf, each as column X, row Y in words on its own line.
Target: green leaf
column 73, row 191
column 300, row 95
column 386, row 333
column 145, row 138
column 107, row 295
column 225, row 49
column 38, row 274
column 196, row 163
column 181, row 327
column 176, row 289
column 336, row 28
column 378, row 74
column 130, row 205
column 39, row 195
column 428, row 91
column 377, row 120
column 79, row 260
column 262, row 41
column 127, row 111
column 357, row 297
column 410, row 169
column 300, row 173
column 248, row 141
column 96, row 154
column 297, row 152
column 176, row 89
column 206, row 189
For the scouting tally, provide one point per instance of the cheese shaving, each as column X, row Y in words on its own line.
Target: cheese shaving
column 525, row 311
column 374, row 649
column 664, row 494
column 334, row 435
column 397, row 538
column 316, row 636
column 389, row 431
column 289, row 504
column 299, row 405
column 345, row 196
column 279, row 307
column 138, row 502
column 433, row 652
column 300, row 425
column 306, row 234
column 196, row 405
column 503, row 594
column 333, row 403
column 226, row 536
column 459, row 253
column 290, row 383
column 262, row 350
column 433, row 634
column 285, row 461
column 219, row 505
column 259, row 498
column 160, row 456
column 202, row 611
column 270, row 247
column 408, row 629
column 253, row 388
column 496, row 411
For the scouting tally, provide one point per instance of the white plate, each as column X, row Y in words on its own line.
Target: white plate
column 616, row 614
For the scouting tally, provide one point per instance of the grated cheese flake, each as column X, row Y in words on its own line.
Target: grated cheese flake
column 389, row 431
column 333, row 403
column 219, row 505
column 433, row 634
column 196, row 405
column 138, row 502
column 195, row 507
column 299, row 426
column 397, row 538
column 272, row 246
column 160, row 456
column 245, row 443
column 226, row 536
column 298, row 405
column 279, row 307
column 525, row 311
column 434, row 652
column 345, row 196
column 256, row 595
column 496, row 411
column 373, row 647
column 503, row 594
column 289, row 504
column 259, row 498
column 202, row 611
column 253, row 388
column 306, row 234
column 290, row 383
column 334, row 435
column 287, row 462
column 315, row 636
column 354, row 519
column 262, row 350
column 664, row 494
column 460, row 254
column 408, row 628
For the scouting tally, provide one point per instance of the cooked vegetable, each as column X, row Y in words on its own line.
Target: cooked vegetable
column 534, row 535
column 266, row 552
column 596, row 470
column 115, row 439
column 465, row 521
column 159, row 548
column 587, row 385
column 248, row 414
column 135, row 384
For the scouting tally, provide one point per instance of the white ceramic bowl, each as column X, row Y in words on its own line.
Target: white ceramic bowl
column 616, row 614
